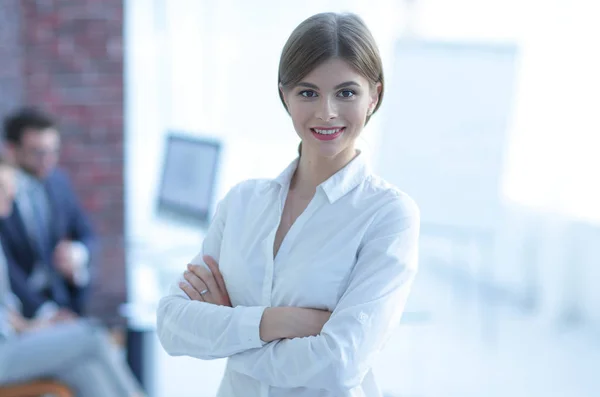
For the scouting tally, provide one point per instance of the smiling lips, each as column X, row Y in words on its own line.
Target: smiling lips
column 327, row 134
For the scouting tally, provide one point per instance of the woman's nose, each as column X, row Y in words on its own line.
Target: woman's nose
column 327, row 110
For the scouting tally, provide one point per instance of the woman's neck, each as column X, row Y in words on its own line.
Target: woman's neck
column 313, row 170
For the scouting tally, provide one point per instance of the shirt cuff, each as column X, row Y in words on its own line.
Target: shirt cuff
column 46, row 310
column 81, row 256
column 250, row 326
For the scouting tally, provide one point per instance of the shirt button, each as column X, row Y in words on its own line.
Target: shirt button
column 363, row 317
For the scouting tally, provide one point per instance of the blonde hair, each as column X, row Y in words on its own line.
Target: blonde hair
column 325, row 36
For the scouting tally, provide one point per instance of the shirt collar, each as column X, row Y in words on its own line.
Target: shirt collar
column 340, row 183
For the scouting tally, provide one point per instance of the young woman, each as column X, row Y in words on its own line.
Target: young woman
column 307, row 274
column 64, row 348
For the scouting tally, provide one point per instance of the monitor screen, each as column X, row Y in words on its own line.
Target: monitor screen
column 188, row 181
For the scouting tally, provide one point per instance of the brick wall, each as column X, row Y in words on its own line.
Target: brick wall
column 72, row 65
column 11, row 83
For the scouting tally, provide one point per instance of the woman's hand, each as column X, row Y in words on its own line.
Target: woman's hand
column 205, row 285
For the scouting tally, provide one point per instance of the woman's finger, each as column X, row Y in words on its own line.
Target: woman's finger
column 207, row 278
column 190, row 292
column 195, row 282
column 214, row 268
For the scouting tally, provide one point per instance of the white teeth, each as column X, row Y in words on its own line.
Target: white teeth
column 327, row 132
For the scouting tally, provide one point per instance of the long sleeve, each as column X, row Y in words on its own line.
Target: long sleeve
column 362, row 322
column 81, row 232
column 203, row 330
column 78, row 227
column 30, row 299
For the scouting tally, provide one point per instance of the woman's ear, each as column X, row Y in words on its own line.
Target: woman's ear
column 375, row 94
column 283, row 94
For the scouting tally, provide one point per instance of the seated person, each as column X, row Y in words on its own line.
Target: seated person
column 72, row 351
column 48, row 236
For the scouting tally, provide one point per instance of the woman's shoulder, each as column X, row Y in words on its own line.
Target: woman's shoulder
column 390, row 198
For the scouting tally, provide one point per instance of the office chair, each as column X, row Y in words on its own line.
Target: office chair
column 37, row 388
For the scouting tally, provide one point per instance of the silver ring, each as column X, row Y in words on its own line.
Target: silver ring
column 203, row 292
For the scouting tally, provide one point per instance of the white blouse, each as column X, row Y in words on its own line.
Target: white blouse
column 353, row 251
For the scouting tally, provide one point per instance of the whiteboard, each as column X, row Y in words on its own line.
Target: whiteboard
column 447, row 108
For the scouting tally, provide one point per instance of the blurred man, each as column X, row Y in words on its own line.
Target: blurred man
column 47, row 236
column 76, row 352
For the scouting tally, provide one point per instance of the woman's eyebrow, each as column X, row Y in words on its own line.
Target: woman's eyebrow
column 337, row 87
column 346, row 84
column 307, row 85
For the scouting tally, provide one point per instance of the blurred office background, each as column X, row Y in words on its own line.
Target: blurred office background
column 490, row 121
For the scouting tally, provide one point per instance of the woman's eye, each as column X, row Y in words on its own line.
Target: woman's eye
column 308, row 94
column 347, row 93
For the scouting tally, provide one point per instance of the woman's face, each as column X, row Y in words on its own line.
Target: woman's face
column 329, row 107
column 7, row 190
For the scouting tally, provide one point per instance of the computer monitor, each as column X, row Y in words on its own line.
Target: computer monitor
column 187, row 189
